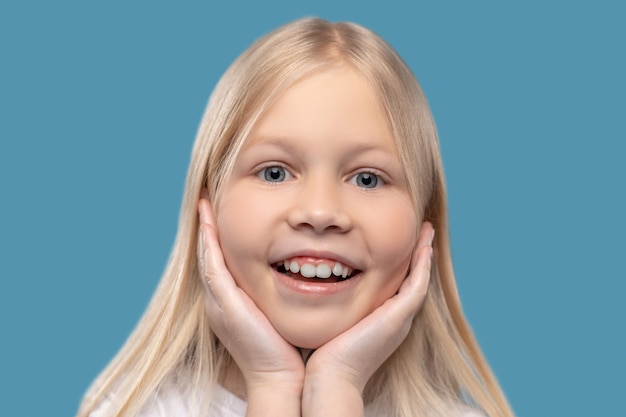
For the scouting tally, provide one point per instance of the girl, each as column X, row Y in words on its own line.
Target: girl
column 306, row 278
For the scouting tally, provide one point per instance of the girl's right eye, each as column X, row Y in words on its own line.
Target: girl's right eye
column 274, row 173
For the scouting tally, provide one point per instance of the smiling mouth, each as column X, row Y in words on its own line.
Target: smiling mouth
column 322, row 273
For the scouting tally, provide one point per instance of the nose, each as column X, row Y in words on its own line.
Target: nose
column 320, row 207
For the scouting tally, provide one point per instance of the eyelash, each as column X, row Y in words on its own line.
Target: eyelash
column 264, row 172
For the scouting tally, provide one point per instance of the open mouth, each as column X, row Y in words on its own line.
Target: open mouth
column 322, row 273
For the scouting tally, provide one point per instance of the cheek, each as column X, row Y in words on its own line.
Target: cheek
column 237, row 231
column 393, row 240
column 245, row 220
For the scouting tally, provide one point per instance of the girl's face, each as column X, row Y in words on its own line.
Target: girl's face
column 316, row 222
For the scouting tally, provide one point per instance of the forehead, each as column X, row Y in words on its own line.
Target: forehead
column 337, row 102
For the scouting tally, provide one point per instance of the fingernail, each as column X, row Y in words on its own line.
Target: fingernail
column 432, row 236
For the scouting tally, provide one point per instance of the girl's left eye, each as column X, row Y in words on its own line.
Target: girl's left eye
column 367, row 180
column 274, row 173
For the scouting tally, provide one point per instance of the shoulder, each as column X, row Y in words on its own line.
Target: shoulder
column 455, row 410
column 451, row 410
column 466, row 411
column 174, row 402
column 470, row 413
column 226, row 404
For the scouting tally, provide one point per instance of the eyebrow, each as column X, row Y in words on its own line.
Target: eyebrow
column 285, row 143
column 276, row 141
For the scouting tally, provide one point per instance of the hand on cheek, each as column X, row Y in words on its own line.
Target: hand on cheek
column 341, row 368
column 268, row 363
column 274, row 372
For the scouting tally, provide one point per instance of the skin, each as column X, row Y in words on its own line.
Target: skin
column 323, row 139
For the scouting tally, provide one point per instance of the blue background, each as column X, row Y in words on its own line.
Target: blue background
column 99, row 104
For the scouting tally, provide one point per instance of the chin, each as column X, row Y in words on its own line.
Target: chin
column 307, row 341
column 309, row 337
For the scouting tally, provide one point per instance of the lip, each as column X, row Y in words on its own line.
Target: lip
column 288, row 286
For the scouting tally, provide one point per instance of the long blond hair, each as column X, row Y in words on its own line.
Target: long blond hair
column 439, row 365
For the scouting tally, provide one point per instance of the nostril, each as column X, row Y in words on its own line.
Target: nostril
column 320, row 221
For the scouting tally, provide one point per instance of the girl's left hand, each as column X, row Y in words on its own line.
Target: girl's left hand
column 342, row 367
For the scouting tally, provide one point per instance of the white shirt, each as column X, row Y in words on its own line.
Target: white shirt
column 171, row 403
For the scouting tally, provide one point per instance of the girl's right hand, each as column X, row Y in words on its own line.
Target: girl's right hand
column 270, row 365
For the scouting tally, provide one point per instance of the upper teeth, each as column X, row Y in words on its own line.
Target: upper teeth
column 319, row 271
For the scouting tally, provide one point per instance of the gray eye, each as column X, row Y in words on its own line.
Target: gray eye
column 274, row 174
column 366, row 180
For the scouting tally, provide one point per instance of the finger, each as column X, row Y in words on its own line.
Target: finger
column 414, row 288
column 215, row 274
column 425, row 238
column 205, row 216
column 204, row 209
